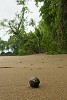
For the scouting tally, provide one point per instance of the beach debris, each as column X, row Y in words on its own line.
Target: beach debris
column 60, row 67
column 6, row 67
column 34, row 82
column 20, row 61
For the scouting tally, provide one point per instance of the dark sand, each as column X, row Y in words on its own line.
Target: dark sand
column 16, row 71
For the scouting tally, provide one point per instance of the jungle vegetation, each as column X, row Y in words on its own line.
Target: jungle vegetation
column 50, row 36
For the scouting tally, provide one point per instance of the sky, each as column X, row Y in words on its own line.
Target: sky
column 8, row 9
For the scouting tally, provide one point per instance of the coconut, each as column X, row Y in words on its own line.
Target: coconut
column 34, row 82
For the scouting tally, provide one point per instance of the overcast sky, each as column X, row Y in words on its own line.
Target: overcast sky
column 8, row 8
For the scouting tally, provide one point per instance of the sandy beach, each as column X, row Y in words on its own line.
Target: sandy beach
column 15, row 72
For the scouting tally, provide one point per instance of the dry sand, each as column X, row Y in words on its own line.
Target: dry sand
column 15, row 72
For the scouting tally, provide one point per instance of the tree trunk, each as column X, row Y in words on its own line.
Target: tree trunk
column 64, row 15
column 64, row 23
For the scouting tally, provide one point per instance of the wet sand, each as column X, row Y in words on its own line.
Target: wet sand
column 15, row 72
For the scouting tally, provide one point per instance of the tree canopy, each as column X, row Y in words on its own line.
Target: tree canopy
column 50, row 36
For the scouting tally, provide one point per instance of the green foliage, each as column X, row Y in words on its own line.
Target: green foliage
column 20, row 2
column 32, row 23
column 53, row 13
column 49, row 36
column 2, row 45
